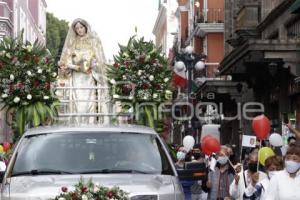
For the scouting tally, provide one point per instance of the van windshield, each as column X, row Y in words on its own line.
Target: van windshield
column 84, row 152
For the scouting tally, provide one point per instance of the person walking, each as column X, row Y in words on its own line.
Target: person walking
column 285, row 185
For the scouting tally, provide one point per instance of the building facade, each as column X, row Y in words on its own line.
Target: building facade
column 200, row 25
column 27, row 15
column 262, row 57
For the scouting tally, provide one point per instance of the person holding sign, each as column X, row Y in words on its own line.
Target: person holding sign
column 246, row 178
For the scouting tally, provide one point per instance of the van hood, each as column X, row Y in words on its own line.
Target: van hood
column 48, row 186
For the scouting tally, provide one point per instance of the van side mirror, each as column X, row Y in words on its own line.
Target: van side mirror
column 2, row 170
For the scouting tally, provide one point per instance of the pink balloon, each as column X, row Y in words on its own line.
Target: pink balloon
column 261, row 126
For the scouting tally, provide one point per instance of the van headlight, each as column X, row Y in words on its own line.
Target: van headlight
column 144, row 197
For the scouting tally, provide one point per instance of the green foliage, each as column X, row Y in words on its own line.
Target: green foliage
column 89, row 190
column 140, row 74
column 56, row 33
column 26, row 74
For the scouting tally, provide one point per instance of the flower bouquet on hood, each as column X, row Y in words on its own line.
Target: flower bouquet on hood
column 91, row 191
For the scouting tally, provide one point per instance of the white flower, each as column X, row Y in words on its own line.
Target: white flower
column 54, row 74
column 125, row 55
column 16, row 99
column 11, row 77
column 166, row 80
column 168, row 92
column 155, row 96
column 39, row 71
column 2, row 52
column 140, row 72
column 29, row 96
column 115, row 96
column 61, row 198
column 46, row 97
column 112, row 81
column 4, row 96
column 8, row 55
column 151, row 78
column 29, row 47
column 84, row 197
column 29, row 73
column 124, row 77
column 130, row 97
column 96, row 189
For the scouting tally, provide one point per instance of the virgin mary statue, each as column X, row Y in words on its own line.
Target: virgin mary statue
column 82, row 66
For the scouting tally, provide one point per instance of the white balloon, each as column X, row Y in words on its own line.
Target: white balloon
column 179, row 66
column 275, row 140
column 188, row 142
column 200, row 65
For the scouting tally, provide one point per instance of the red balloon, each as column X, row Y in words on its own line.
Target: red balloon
column 261, row 126
column 205, row 151
column 210, row 145
column 205, row 137
column 6, row 146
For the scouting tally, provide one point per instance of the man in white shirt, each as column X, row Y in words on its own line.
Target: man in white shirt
column 244, row 179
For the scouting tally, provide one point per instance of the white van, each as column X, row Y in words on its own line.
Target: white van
column 133, row 158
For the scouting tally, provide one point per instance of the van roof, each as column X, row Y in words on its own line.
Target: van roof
column 90, row 128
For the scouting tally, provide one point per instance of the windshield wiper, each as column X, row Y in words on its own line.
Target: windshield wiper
column 114, row 171
column 41, row 172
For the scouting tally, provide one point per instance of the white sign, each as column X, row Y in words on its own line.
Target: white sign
column 249, row 141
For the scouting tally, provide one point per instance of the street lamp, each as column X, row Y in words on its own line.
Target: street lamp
column 189, row 61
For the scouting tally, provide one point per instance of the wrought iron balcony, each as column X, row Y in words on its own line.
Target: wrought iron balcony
column 211, row 15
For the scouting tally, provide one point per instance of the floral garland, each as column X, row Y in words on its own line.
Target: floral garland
column 26, row 74
column 91, row 191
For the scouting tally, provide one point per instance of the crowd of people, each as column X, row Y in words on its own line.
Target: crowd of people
column 229, row 177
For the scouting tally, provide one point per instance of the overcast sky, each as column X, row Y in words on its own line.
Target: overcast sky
column 113, row 20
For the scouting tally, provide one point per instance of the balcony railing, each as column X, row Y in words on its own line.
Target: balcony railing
column 211, row 15
column 67, row 115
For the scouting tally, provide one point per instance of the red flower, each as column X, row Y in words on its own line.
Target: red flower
column 35, row 84
column 1, row 64
column 126, row 88
column 145, row 86
column 116, row 65
column 84, row 189
column 14, row 59
column 46, row 60
column 64, row 189
column 47, row 85
column 35, row 58
column 126, row 64
column 110, row 194
column 158, row 87
column 12, row 87
column 26, row 58
column 74, row 196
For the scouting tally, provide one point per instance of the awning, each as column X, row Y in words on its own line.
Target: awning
column 295, row 7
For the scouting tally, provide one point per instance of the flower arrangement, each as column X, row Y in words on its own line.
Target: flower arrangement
column 26, row 74
column 91, row 191
column 140, row 74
